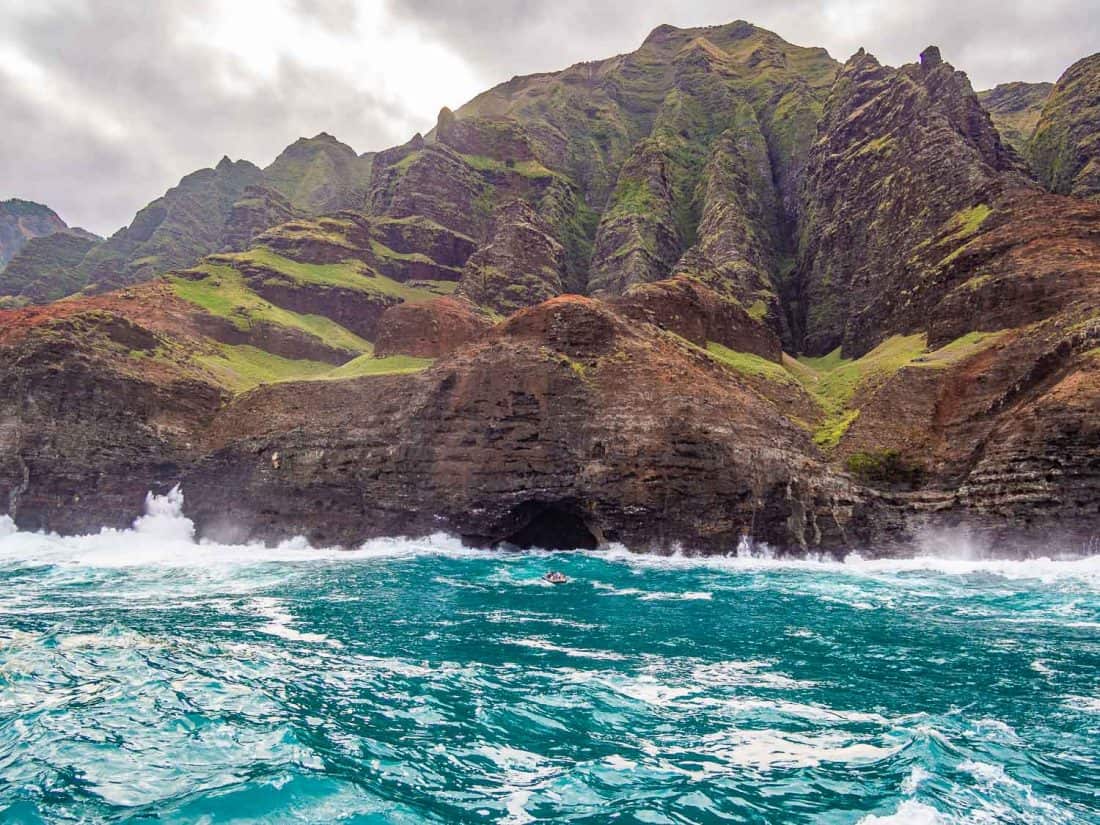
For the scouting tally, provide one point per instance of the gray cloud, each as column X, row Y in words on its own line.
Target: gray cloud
column 173, row 109
column 992, row 40
column 127, row 106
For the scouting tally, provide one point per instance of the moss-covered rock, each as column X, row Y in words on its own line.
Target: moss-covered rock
column 900, row 178
column 320, row 174
column 521, row 265
column 1065, row 148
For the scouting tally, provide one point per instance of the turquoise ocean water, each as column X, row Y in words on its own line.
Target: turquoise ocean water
column 148, row 678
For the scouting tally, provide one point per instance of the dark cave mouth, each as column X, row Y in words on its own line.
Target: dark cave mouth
column 550, row 527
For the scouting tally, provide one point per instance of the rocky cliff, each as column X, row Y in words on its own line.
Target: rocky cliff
column 1065, row 148
column 720, row 287
column 20, row 221
column 210, row 210
column 1015, row 109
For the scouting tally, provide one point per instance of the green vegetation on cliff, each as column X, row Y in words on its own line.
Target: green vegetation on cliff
column 1065, row 149
column 222, row 291
column 242, row 367
column 750, row 364
column 840, row 383
column 1015, row 109
column 348, row 274
column 369, row 365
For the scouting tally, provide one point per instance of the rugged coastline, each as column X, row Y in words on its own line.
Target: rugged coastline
column 721, row 286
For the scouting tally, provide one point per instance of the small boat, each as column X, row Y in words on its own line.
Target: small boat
column 554, row 577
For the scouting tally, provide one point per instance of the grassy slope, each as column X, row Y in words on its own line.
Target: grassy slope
column 224, row 293
column 347, row 274
column 241, row 368
column 837, row 383
column 368, row 365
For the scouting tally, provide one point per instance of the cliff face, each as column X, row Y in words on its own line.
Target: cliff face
column 1015, row 109
column 826, row 308
column 45, row 268
column 22, row 220
column 904, row 158
column 1065, row 149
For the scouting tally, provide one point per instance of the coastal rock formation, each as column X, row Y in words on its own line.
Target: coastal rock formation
column 565, row 415
column 717, row 290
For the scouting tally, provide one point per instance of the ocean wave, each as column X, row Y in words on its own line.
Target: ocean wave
column 164, row 536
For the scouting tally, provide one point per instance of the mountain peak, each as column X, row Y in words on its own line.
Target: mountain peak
column 661, row 34
column 931, row 57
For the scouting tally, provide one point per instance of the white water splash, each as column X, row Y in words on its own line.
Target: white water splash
column 165, row 536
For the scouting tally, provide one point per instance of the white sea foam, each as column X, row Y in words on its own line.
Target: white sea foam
column 165, row 536
column 1089, row 704
column 539, row 643
column 768, row 749
column 912, row 782
column 963, row 563
column 1039, row 666
column 281, row 621
column 910, row 812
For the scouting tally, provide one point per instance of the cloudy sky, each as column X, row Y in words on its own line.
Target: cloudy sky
column 104, row 104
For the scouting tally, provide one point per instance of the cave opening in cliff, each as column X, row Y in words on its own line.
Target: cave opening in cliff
column 551, row 527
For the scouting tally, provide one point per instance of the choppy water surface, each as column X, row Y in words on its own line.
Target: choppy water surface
column 144, row 677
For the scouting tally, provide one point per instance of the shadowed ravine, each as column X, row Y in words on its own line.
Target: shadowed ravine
column 146, row 677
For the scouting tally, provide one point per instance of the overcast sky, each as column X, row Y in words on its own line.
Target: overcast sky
column 104, row 104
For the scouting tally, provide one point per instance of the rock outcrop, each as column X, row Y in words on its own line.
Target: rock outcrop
column 428, row 329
